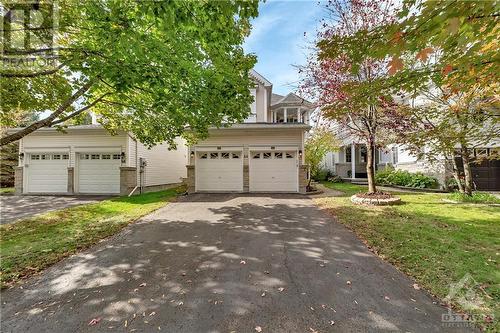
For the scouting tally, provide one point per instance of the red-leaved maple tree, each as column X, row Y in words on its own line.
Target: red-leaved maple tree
column 351, row 95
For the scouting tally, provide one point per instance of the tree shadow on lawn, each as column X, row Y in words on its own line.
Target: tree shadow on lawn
column 183, row 273
column 436, row 243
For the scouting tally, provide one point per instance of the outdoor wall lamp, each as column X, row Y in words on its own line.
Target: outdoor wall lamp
column 21, row 156
column 192, row 154
column 300, row 153
column 123, row 156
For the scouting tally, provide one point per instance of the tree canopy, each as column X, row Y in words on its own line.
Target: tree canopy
column 151, row 67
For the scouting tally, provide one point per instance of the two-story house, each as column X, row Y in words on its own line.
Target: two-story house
column 263, row 154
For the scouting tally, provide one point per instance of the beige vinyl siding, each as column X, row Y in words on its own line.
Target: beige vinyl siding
column 163, row 166
column 261, row 105
column 274, row 137
column 132, row 147
column 73, row 140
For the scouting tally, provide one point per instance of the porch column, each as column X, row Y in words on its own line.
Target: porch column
column 353, row 160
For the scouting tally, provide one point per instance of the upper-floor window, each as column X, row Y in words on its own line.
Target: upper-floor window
column 252, row 117
column 290, row 115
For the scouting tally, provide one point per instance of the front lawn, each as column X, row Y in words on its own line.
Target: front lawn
column 435, row 242
column 30, row 245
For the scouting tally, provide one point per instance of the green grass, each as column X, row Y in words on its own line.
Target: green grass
column 477, row 197
column 30, row 245
column 7, row 190
column 435, row 242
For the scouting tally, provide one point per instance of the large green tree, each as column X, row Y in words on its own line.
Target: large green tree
column 151, row 67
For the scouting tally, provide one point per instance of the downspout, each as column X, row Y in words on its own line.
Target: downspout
column 136, row 186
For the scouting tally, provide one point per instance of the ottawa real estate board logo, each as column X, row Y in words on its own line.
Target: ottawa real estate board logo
column 28, row 36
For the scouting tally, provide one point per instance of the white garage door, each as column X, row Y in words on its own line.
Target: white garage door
column 219, row 171
column 275, row 171
column 47, row 173
column 99, row 173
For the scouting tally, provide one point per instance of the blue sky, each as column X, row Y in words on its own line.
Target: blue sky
column 278, row 40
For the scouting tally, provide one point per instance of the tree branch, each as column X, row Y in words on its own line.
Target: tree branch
column 61, row 120
column 33, row 74
column 47, row 121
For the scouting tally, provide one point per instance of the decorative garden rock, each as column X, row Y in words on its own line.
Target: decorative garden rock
column 383, row 200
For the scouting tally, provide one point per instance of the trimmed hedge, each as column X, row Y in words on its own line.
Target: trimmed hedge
column 405, row 178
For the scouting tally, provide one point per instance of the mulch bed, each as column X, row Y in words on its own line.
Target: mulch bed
column 375, row 195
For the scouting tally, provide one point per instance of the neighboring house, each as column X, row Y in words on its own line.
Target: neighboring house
column 88, row 160
column 263, row 154
column 352, row 156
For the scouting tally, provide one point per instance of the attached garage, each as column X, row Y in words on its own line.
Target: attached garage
column 273, row 171
column 219, row 170
column 47, row 172
column 98, row 173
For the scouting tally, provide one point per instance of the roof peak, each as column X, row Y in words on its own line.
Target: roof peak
column 253, row 73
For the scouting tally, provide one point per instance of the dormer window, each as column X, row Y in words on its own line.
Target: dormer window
column 290, row 115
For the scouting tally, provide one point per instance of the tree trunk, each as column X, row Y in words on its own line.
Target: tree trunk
column 456, row 175
column 370, row 172
column 468, row 183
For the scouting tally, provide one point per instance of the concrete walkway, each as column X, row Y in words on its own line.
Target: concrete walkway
column 225, row 263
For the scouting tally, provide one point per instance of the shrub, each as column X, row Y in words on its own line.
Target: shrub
column 405, row 178
column 476, row 197
column 321, row 174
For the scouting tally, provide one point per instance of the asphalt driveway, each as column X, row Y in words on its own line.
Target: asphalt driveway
column 224, row 263
column 15, row 207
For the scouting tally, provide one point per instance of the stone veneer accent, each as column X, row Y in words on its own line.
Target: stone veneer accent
column 71, row 177
column 18, row 180
column 190, row 179
column 303, row 178
column 246, row 178
column 128, row 179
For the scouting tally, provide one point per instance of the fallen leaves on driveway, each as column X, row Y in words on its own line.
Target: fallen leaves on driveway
column 243, row 262
column 258, row 328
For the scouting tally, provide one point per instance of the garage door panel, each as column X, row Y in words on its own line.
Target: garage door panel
column 99, row 173
column 219, row 171
column 47, row 173
column 273, row 171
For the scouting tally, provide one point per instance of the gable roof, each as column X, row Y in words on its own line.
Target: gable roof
column 259, row 78
column 275, row 98
column 290, row 99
